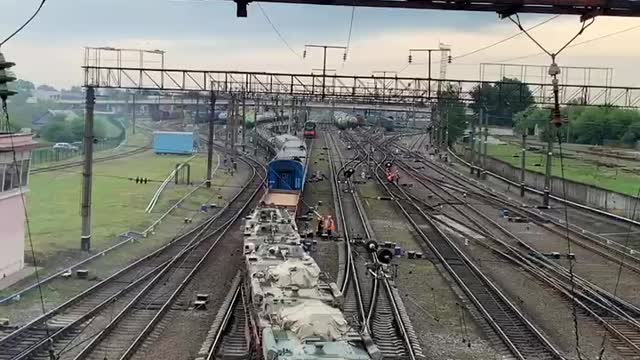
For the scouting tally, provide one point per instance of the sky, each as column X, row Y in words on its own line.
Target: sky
column 201, row 34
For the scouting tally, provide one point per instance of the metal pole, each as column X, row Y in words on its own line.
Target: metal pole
column 244, row 120
column 324, row 69
column 133, row 114
column 85, row 210
column 429, row 75
column 524, row 162
column 212, row 104
column 484, row 143
column 472, row 141
column 547, row 174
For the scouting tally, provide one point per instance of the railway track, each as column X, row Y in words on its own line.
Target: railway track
column 596, row 243
column 95, row 160
column 229, row 338
column 136, row 296
column 520, row 337
column 618, row 317
column 386, row 319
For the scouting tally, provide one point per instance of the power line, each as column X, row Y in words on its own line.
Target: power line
column 577, row 44
column 25, row 24
column 277, row 31
column 353, row 12
column 505, row 39
column 24, row 204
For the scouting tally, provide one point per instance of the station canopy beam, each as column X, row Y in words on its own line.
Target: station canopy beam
column 585, row 8
column 355, row 89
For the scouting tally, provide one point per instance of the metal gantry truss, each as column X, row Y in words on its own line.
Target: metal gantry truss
column 586, row 9
column 341, row 88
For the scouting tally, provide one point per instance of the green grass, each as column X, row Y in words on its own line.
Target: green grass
column 577, row 169
column 118, row 204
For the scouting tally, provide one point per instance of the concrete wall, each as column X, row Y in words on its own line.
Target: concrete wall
column 590, row 195
column 12, row 234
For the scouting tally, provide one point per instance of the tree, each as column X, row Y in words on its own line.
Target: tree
column 501, row 100
column 45, row 87
column 453, row 110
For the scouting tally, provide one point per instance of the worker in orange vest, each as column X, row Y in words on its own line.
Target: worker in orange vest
column 330, row 226
column 320, row 225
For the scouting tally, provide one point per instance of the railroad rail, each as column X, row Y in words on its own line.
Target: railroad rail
column 617, row 316
column 521, row 337
column 63, row 330
column 71, row 164
column 386, row 318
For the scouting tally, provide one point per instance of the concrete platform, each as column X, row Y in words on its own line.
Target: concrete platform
column 17, row 276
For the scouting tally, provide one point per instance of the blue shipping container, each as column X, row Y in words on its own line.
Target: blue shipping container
column 173, row 142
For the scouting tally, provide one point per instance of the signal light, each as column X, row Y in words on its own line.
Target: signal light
column 409, row 59
column 449, row 59
column 344, row 57
column 304, row 53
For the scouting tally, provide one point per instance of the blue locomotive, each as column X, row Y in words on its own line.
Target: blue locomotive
column 286, row 173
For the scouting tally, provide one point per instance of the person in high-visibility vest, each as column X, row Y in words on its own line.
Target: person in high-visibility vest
column 330, row 226
column 320, row 225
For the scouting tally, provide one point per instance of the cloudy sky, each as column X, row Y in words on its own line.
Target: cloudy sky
column 207, row 35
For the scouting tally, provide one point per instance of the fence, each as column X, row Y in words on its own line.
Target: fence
column 590, row 195
column 49, row 154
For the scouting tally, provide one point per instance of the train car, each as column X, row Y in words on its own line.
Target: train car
column 286, row 173
column 294, row 310
column 309, row 130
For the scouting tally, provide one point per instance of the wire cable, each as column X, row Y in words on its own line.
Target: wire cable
column 577, row 44
column 619, row 275
column 26, row 213
column 346, row 51
column 505, row 39
column 277, row 31
column 25, row 24
column 574, row 308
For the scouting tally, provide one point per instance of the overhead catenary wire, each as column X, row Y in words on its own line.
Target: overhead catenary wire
column 505, row 39
column 25, row 24
column 574, row 308
column 576, row 44
column 273, row 26
column 346, row 51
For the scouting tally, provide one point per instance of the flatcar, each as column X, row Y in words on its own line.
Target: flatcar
column 309, row 130
column 286, row 173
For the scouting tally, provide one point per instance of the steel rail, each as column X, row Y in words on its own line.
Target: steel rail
column 50, row 338
column 497, row 295
column 385, row 281
column 169, row 301
column 591, row 298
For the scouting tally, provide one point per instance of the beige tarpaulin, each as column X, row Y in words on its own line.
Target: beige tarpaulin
column 314, row 319
column 301, row 273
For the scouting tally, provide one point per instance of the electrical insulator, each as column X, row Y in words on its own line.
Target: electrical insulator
column 409, row 59
column 449, row 59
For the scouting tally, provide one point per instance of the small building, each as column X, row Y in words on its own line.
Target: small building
column 14, row 181
column 173, row 142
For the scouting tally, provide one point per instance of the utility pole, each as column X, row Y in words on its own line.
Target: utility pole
column 212, row 115
column 428, row 51
column 485, row 142
column 85, row 210
column 472, row 142
column 133, row 113
column 324, row 59
column 244, row 120
column 547, row 173
column 523, row 169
